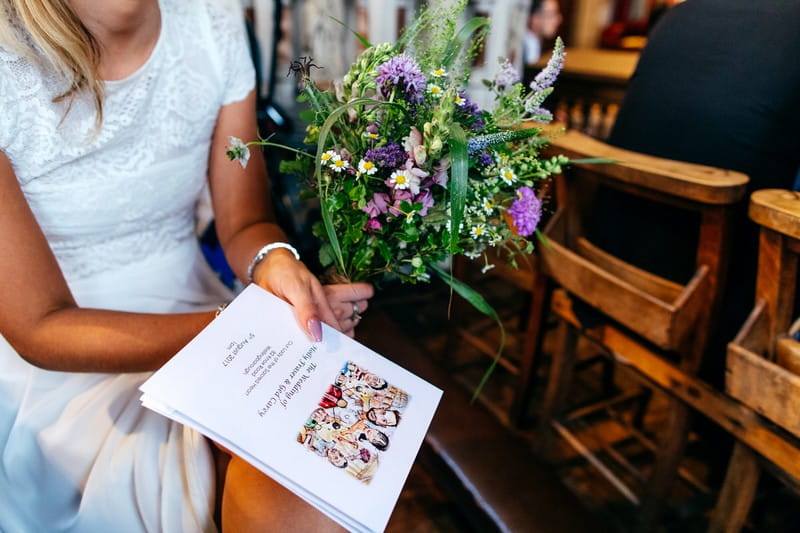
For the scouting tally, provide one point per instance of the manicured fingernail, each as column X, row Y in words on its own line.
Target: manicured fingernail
column 315, row 327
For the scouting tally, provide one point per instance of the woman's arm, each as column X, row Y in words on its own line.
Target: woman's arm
column 40, row 319
column 245, row 222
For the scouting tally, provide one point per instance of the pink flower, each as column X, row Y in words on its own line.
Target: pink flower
column 373, row 225
column 412, row 145
column 378, row 205
column 440, row 175
column 402, row 194
column 426, row 199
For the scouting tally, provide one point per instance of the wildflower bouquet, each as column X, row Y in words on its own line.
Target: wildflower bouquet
column 409, row 170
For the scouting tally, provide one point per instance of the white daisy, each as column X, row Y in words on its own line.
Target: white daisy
column 404, row 179
column 478, row 231
column 460, row 101
column 329, row 157
column 439, row 73
column 508, row 176
column 339, row 164
column 367, row 167
column 487, row 205
column 435, row 91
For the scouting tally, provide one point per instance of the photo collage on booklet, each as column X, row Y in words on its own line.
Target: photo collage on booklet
column 354, row 421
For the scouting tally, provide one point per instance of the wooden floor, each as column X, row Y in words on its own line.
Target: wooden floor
column 422, row 314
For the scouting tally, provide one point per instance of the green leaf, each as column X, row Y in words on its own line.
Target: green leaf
column 458, row 181
column 591, row 160
column 325, row 255
column 308, row 115
column 462, row 37
column 384, row 250
column 357, row 193
column 543, row 240
column 478, row 302
column 360, row 37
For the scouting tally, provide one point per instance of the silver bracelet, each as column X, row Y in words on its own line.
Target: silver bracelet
column 263, row 252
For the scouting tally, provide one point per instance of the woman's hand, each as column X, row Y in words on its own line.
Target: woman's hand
column 348, row 301
column 289, row 279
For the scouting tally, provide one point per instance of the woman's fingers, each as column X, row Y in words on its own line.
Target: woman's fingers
column 290, row 280
column 349, row 301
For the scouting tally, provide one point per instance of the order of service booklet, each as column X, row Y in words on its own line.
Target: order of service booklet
column 334, row 422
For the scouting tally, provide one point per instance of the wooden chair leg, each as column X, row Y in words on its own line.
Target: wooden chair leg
column 737, row 492
column 671, row 445
column 531, row 350
column 560, row 377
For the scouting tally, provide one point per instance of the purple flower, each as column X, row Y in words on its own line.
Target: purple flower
column 426, row 199
column 403, row 72
column 470, row 113
column 378, row 205
column 485, row 159
column 526, row 211
column 373, row 224
column 548, row 75
column 541, row 114
column 507, row 76
column 390, row 156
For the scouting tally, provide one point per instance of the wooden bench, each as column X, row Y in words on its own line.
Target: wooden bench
column 490, row 473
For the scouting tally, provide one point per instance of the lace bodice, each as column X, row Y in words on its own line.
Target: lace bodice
column 119, row 195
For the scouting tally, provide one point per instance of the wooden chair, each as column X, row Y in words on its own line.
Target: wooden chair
column 761, row 358
column 659, row 324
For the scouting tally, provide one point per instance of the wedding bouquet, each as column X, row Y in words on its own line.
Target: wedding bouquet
column 408, row 170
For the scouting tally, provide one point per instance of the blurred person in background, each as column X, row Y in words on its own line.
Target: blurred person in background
column 543, row 22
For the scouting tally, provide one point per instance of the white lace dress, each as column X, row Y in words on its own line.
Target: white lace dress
column 77, row 451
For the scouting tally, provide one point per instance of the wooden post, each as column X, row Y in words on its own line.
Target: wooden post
column 737, row 492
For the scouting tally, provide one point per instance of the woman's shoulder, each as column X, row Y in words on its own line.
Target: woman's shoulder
column 21, row 71
column 20, row 82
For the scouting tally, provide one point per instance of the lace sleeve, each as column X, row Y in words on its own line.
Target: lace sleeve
column 231, row 36
column 9, row 105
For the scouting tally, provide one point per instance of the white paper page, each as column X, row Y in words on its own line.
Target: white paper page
column 253, row 378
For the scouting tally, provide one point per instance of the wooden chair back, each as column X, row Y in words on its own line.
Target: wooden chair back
column 762, row 372
column 665, row 313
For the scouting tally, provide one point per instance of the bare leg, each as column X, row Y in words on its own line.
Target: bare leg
column 253, row 502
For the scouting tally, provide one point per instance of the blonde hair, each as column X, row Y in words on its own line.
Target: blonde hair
column 61, row 40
